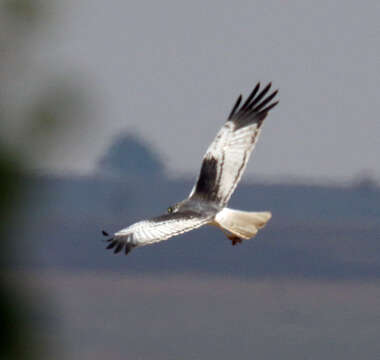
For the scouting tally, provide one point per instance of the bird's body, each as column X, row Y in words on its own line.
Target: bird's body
column 222, row 168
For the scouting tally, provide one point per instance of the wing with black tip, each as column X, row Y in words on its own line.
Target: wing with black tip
column 228, row 155
column 154, row 230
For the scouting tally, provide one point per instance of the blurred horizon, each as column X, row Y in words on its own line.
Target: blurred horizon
column 123, row 191
column 149, row 154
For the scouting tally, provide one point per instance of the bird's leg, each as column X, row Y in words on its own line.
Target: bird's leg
column 235, row 239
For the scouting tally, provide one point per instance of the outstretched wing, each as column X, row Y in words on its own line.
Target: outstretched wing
column 227, row 156
column 157, row 229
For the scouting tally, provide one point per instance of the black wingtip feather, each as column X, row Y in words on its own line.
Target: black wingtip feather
column 112, row 244
column 260, row 96
column 265, row 101
column 271, row 106
column 119, row 247
column 128, row 249
column 105, row 233
column 251, row 96
column 237, row 103
column 255, row 107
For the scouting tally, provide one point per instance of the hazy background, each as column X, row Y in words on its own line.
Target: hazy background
column 106, row 111
column 171, row 70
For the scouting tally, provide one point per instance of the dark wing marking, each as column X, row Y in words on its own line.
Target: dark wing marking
column 157, row 229
column 206, row 184
column 227, row 156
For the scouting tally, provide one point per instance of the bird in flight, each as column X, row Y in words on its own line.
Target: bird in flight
column 222, row 167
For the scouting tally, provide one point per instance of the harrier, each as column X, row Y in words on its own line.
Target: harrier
column 222, row 167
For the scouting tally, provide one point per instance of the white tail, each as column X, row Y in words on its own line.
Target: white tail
column 243, row 224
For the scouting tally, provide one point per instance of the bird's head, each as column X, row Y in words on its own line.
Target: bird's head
column 174, row 208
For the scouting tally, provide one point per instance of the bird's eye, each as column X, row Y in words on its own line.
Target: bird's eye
column 170, row 209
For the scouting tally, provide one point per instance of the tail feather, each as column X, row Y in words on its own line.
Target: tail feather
column 243, row 224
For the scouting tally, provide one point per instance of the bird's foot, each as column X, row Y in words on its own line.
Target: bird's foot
column 235, row 239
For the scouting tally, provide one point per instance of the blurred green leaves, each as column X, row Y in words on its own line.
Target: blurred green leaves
column 17, row 340
column 23, row 10
column 30, row 130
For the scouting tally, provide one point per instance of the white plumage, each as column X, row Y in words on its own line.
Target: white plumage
column 222, row 167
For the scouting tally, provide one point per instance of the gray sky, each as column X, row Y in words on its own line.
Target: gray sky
column 170, row 71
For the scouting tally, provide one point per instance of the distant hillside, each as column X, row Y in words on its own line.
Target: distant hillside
column 315, row 231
